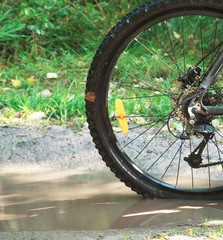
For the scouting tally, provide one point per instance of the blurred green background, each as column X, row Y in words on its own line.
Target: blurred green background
column 51, row 36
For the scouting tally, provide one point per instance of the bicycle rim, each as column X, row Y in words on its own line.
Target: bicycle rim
column 143, row 74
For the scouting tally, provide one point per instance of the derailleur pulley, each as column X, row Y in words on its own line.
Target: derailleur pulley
column 195, row 159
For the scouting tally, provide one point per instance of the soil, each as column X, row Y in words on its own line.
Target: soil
column 51, row 147
column 56, row 147
column 168, row 232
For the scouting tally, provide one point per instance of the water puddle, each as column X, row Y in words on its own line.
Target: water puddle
column 74, row 200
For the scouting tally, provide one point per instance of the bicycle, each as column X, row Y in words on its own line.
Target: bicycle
column 154, row 99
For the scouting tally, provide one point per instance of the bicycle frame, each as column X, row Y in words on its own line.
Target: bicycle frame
column 209, row 80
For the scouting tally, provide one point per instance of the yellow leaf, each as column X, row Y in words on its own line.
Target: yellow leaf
column 122, row 120
column 30, row 80
column 16, row 83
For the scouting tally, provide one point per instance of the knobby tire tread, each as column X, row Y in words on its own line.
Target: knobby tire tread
column 114, row 33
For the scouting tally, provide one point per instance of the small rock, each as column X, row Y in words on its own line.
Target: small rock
column 159, row 79
column 45, row 93
column 6, row 89
column 51, row 75
column 36, row 116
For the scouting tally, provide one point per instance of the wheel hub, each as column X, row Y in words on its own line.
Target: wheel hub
column 184, row 100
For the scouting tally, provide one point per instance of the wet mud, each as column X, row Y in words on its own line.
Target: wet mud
column 73, row 200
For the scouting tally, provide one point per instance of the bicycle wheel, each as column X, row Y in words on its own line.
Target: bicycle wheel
column 137, row 103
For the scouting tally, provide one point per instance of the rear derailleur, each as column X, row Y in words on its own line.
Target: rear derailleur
column 199, row 126
column 195, row 159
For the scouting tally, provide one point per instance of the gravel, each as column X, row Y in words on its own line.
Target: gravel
column 51, row 147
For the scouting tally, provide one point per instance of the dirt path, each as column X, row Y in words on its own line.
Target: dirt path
column 167, row 232
column 47, row 147
column 58, row 148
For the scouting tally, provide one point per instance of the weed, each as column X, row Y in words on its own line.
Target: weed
column 128, row 236
column 67, row 93
column 38, row 37
column 190, row 222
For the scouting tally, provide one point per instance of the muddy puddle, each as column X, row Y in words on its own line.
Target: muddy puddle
column 75, row 200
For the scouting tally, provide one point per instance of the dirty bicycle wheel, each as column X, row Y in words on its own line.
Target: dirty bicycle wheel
column 140, row 85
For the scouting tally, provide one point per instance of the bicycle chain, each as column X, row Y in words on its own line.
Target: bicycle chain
column 211, row 99
column 210, row 164
column 181, row 111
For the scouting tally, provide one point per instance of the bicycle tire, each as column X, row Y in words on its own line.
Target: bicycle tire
column 107, row 56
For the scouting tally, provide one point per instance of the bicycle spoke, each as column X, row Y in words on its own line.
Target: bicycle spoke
column 192, row 171
column 156, row 57
column 214, row 42
column 134, row 98
column 182, row 27
column 148, row 99
column 217, row 147
column 171, row 162
column 162, row 154
column 216, row 143
column 139, row 116
column 141, row 125
column 178, row 169
column 149, row 141
column 143, row 116
column 202, row 48
column 140, row 135
column 218, row 46
column 171, row 44
column 134, row 78
column 144, row 80
column 218, row 133
column 179, row 71
column 209, row 173
column 135, row 87
column 147, row 75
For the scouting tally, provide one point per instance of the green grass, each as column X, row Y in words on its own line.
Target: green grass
column 208, row 229
column 64, row 106
column 39, row 37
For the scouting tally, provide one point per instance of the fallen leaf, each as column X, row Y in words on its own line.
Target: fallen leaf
column 142, row 84
column 18, row 114
column 176, row 35
column 30, row 80
column 16, row 83
column 174, row 58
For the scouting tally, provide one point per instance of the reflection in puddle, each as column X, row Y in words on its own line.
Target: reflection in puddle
column 71, row 200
